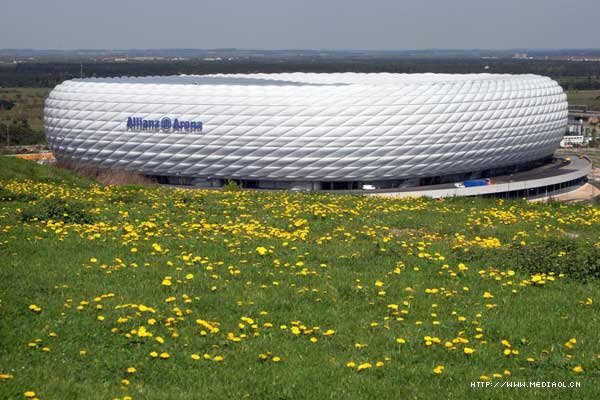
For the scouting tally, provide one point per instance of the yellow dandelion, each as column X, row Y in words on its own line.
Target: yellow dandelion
column 35, row 308
column 364, row 366
column 438, row 369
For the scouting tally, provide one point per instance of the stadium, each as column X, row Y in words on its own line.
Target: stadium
column 309, row 131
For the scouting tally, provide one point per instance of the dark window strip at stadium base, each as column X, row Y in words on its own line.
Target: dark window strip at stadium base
column 409, row 183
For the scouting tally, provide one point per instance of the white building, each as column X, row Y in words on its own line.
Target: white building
column 573, row 140
column 306, row 129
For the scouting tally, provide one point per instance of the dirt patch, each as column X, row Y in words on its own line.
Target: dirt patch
column 107, row 176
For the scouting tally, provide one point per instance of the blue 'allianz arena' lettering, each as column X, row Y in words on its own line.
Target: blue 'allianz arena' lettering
column 164, row 124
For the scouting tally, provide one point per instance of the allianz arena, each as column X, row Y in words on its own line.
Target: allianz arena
column 308, row 130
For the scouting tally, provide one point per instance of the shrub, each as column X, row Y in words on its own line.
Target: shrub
column 58, row 210
column 231, row 186
column 7, row 195
column 578, row 260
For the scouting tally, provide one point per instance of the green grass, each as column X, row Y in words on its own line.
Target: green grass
column 590, row 98
column 370, row 269
column 26, row 119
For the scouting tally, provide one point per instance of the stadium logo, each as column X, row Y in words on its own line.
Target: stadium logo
column 164, row 124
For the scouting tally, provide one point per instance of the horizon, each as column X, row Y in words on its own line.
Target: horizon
column 299, row 49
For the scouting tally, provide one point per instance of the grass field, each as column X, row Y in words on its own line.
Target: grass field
column 29, row 107
column 590, row 98
column 158, row 293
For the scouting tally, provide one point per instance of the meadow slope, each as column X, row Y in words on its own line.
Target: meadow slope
column 157, row 293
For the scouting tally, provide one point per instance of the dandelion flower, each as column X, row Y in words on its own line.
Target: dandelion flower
column 35, row 308
column 364, row 366
column 438, row 369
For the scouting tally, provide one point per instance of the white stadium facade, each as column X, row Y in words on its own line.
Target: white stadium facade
column 306, row 130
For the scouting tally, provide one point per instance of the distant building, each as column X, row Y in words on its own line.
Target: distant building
column 6, row 104
column 573, row 140
column 581, row 123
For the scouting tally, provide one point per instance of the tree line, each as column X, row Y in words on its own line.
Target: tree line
column 570, row 74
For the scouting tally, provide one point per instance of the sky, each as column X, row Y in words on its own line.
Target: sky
column 299, row 24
